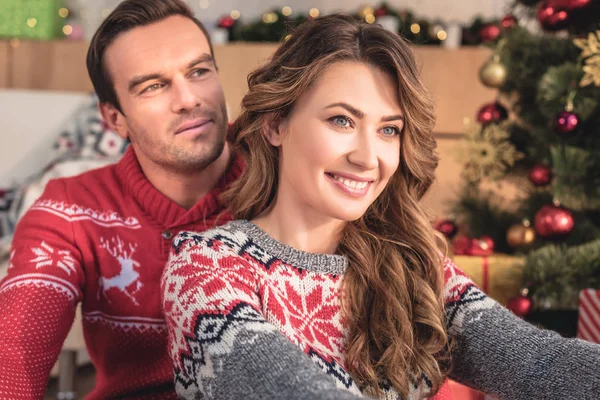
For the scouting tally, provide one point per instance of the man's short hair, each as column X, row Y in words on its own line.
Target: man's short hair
column 128, row 15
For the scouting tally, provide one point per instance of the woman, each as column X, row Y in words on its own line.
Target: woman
column 332, row 255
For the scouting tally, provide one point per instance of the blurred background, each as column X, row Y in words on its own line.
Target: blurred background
column 517, row 87
column 87, row 14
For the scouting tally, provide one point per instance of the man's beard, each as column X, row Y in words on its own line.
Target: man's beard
column 184, row 160
column 180, row 159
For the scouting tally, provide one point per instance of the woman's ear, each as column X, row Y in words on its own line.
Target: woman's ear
column 272, row 131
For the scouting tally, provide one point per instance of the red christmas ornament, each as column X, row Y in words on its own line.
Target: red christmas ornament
column 484, row 246
column 540, row 175
column 461, row 245
column 381, row 11
column 491, row 113
column 447, row 227
column 490, row 32
column 566, row 122
column 508, row 21
column 487, row 243
column 520, row 305
column 554, row 222
column 552, row 17
column 226, row 22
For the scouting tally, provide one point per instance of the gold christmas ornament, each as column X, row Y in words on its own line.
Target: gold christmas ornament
column 366, row 10
column 493, row 73
column 591, row 54
column 486, row 152
column 520, row 235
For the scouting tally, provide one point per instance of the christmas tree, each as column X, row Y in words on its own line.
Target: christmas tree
column 542, row 138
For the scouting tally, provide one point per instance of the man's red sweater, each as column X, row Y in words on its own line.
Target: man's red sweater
column 101, row 238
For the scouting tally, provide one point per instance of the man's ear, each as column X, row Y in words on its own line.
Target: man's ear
column 273, row 129
column 114, row 119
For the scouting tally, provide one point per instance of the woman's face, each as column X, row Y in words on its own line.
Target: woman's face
column 341, row 144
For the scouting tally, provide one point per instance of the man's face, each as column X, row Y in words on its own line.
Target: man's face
column 172, row 102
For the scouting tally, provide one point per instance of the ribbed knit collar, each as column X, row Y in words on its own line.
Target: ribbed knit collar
column 316, row 262
column 164, row 211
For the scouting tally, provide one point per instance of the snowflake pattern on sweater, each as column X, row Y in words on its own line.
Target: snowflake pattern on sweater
column 223, row 281
column 46, row 256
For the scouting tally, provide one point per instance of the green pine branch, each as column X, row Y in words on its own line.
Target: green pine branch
column 576, row 183
column 555, row 86
column 555, row 274
column 484, row 217
column 528, row 56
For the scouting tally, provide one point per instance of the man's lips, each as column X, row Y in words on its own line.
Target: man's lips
column 195, row 123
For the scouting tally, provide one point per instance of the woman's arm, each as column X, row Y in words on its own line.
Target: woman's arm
column 221, row 345
column 500, row 354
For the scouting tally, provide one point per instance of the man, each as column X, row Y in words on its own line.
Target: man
column 102, row 238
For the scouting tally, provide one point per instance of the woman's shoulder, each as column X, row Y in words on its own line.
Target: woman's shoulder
column 228, row 238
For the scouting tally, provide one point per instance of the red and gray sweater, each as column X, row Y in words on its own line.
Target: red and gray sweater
column 249, row 317
column 102, row 239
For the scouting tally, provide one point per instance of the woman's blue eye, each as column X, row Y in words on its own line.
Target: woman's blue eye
column 341, row 121
column 390, row 131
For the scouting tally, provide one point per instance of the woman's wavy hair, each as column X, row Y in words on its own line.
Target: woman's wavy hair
column 392, row 300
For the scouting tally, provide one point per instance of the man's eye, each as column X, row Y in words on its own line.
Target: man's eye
column 199, row 72
column 153, row 87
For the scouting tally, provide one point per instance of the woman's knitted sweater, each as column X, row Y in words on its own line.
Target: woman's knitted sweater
column 246, row 314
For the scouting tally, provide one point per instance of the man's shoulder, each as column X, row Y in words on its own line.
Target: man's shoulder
column 97, row 196
column 91, row 187
column 93, row 178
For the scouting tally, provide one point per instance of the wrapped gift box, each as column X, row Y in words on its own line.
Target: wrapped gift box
column 588, row 326
column 498, row 275
column 31, row 19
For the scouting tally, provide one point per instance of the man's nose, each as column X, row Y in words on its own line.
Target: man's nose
column 184, row 98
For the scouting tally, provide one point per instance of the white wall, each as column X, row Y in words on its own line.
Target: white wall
column 30, row 121
column 462, row 11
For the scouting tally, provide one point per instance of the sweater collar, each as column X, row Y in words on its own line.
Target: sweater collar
column 164, row 211
column 324, row 263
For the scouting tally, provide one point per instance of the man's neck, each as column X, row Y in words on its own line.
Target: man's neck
column 185, row 188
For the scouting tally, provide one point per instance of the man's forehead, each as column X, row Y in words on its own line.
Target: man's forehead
column 168, row 44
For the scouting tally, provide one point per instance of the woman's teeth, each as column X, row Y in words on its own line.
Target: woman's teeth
column 350, row 183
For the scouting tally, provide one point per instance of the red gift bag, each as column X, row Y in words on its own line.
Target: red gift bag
column 444, row 393
column 588, row 325
column 462, row 392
